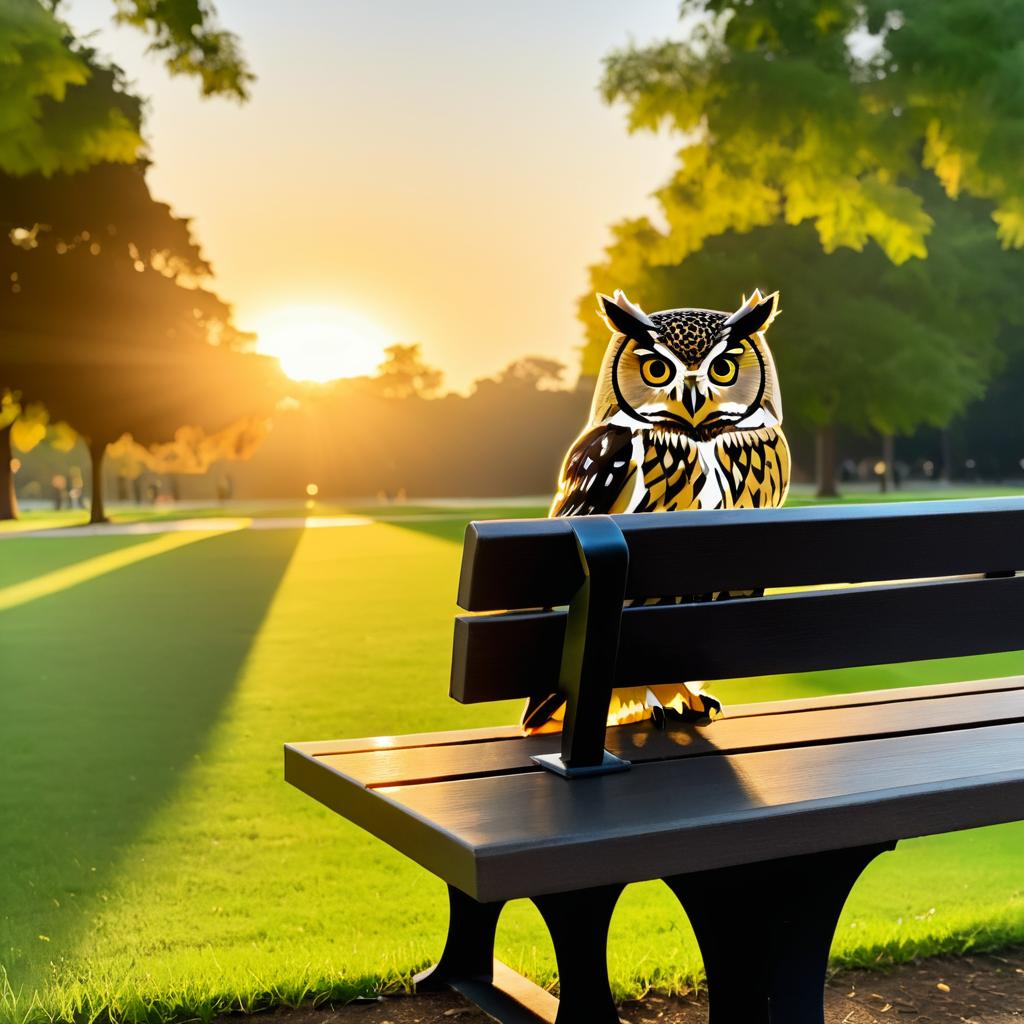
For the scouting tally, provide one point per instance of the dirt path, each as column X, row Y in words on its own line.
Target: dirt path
column 947, row 990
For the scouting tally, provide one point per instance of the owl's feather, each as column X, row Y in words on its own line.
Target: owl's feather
column 597, row 470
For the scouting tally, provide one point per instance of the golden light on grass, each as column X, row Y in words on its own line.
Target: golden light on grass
column 91, row 568
column 321, row 343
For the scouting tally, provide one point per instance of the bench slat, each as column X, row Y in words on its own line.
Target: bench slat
column 534, row 832
column 317, row 748
column 641, row 743
column 534, row 564
column 504, row 656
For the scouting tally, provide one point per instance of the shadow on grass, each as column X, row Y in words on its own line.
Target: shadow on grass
column 108, row 692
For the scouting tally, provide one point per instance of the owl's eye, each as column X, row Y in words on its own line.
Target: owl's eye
column 723, row 370
column 656, row 371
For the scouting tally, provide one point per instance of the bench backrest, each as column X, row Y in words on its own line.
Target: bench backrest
column 521, row 571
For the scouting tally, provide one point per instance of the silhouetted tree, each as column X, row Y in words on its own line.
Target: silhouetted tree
column 403, row 373
column 106, row 320
column 534, row 372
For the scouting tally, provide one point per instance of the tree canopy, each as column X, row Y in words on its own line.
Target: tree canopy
column 62, row 108
column 826, row 111
column 860, row 341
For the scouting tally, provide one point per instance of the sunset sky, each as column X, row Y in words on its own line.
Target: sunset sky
column 440, row 173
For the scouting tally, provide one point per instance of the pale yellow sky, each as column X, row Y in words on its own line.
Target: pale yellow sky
column 445, row 171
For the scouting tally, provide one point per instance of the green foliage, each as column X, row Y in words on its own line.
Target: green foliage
column 860, row 341
column 811, row 127
column 186, row 31
column 825, row 110
column 62, row 108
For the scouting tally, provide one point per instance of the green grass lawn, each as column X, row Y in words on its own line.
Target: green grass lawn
column 155, row 864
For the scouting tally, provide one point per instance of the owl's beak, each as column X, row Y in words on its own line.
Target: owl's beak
column 693, row 394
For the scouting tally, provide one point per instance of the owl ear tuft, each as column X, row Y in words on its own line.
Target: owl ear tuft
column 755, row 314
column 623, row 316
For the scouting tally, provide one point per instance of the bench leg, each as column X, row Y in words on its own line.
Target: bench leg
column 578, row 923
column 467, row 965
column 765, row 931
column 469, row 948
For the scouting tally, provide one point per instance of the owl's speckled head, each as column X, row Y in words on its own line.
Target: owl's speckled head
column 699, row 372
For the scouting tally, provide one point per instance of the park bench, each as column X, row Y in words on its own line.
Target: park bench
column 759, row 823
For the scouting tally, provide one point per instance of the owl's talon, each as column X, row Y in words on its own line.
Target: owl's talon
column 712, row 707
column 702, row 709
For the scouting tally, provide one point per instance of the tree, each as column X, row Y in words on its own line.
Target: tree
column 535, row 372
column 826, row 111
column 21, row 428
column 802, row 135
column 63, row 109
column 107, row 320
column 403, row 373
column 860, row 342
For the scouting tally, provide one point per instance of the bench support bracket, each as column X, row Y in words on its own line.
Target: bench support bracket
column 765, row 931
column 591, row 650
column 578, row 924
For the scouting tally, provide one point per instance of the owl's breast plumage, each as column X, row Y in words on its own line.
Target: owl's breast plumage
column 735, row 469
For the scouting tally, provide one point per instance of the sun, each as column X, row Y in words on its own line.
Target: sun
column 321, row 343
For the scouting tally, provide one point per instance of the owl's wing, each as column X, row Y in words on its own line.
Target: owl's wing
column 596, row 472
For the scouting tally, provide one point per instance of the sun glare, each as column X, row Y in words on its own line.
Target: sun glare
column 319, row 344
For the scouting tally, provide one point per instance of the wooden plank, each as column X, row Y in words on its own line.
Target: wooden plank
column 315, row 748
column 535, row 832
column 533, row 563
column 641, row 743
column 775, row 707
column 531, row 833
column 498, row 657
column 436, row 849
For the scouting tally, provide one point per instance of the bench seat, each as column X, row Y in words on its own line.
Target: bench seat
column 771, row 780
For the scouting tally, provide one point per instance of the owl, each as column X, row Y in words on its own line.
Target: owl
column 686, row 415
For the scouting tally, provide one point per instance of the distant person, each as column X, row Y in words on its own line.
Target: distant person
column 76, row 488
column 60, row 490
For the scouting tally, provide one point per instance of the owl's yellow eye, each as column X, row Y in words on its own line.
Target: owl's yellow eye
column 656, row 371
column 723, row 370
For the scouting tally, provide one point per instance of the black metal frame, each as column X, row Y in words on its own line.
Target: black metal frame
column 764, row 932
column 578, row 924
column 591, row 648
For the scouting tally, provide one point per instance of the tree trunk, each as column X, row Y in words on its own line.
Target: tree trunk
column 946, row 476
column 97, row 449
column 8, row 500
column 888, row 475
column 825, row 462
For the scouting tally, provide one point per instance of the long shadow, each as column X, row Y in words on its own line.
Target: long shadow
column 108, row 691
column 29, row 558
